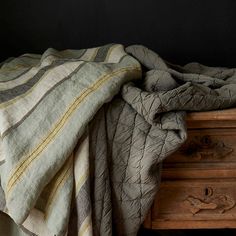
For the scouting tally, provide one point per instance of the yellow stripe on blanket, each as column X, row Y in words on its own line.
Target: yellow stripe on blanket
column 22, row 166
column 86, row 227
column 64, row 173
column 14, row 100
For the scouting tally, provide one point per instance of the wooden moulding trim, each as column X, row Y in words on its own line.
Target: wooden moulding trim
column 196, row 182
column 198, row 173
column 204, row 224
column 211, row 124
column 227, row 115
column 220, row 124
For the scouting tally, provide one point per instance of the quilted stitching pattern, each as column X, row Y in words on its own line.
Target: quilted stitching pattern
column 136, row 131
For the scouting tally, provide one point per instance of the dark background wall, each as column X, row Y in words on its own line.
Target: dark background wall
column 179, row 30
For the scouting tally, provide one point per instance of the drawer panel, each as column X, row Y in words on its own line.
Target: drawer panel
column 212, row 119
column 204, row 172
column 195, row 200
column 206, row 146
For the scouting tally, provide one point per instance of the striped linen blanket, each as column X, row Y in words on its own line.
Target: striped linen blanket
column 46, row 103
column 75, row 161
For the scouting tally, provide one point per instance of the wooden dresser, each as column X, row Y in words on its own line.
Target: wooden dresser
column 198, row 188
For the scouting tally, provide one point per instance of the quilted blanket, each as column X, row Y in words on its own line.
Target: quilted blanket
column 46, row 102
column 104, row 171
column 142, row 126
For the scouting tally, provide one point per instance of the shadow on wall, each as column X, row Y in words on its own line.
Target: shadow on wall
column 180, row 31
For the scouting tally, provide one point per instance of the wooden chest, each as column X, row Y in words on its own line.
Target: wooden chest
column 198, row 188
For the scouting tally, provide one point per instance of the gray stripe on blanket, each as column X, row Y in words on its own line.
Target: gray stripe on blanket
column 81, row 209
column 47, row 93
column 1, row 162
column 16, row 77
column 59, row 55
column 102, row 53
column 24, row 72
column 2, row 199
column 21, row 89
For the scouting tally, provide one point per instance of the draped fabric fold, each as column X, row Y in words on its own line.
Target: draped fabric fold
column 46, row 103
column 74, row 158
column 138, row 129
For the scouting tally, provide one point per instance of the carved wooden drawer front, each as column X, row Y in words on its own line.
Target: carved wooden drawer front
column 198, row 188
column 197, row 200
column 208, row 145
column 207, row 153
